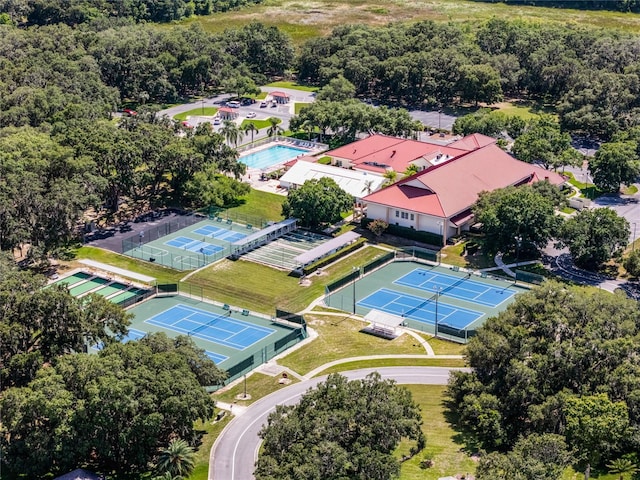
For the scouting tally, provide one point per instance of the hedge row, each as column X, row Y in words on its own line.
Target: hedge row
column 410, row 233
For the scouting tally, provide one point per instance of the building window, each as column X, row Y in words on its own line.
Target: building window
column 397, row 213
column 412, row 217
column 405, row 215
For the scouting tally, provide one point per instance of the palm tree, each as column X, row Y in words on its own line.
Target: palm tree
column 368, row 184
column 231, row 132
column 250, row 127
column 178, row 459
column 622, row 466
column 411, row 169
column 391, row 176
column 274, row 128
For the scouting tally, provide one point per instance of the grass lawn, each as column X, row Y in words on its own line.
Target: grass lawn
column 211, row 432
column 305, row 19
column 454, row 255
column 161, row 274
column 205, row 112
column 630, row 190
column 293, row 86
column 340, row 337
column 444, row 347
column 260, row 204
column 259, row 124
column 442, row 446
column 258, row 386
column 568, row 210
column 261, row 288
column 395, row 362
column 588, row 190
column 298, row 106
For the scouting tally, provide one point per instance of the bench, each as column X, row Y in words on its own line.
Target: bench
column 229, row 221
column 225, row 307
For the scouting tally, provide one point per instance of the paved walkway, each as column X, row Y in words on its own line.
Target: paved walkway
column 507, row 268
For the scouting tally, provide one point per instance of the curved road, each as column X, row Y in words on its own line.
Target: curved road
column 236, row 449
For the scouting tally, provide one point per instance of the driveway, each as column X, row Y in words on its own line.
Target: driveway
column 234, row 454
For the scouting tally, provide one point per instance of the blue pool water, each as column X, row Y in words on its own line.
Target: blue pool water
column 273, row 155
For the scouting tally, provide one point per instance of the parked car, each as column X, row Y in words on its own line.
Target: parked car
column 217, row 121
column 233, row 104
column 263, row 104
column 274, row 104
column 129, row 112
column 251, row 115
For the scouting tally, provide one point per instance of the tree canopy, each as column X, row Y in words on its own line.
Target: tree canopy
column 316, row 202
column 594, row 236
column 111, row 411
column 615, row 163
column 516, row 218
column 340, row 430
column 559, row 360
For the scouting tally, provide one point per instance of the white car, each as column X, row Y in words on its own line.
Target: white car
column 251, row 115
column 217, row 121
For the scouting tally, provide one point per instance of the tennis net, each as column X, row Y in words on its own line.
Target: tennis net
column 204, row 326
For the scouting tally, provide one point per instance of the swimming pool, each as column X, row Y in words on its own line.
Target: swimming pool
column 272, row 155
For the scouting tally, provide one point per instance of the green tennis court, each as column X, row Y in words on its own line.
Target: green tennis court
column 425, row 295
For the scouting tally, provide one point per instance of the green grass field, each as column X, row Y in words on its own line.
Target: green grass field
column 293, row 86
column 160, row 273
column 244, row 284
column 205, row 112
column 298, row 106
column 394, row 362
column 258, row 385
column 305, row 19
column 259, row 124
column 260, row 204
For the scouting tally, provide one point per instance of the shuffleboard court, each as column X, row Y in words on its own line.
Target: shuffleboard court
column 219, row 329
column 461, row 288
column 88, row 286
column 112, row 288
column 419, row 309
column 192, row 245
column 73, row 279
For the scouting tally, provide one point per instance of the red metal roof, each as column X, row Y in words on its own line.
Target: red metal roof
column 472, row 142
column 279, row 94
column 379, row 153
column 457, row 183
column 226, row 110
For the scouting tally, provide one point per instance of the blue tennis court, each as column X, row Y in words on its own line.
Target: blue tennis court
column 419, row 309
column 192, row 245
column 219, row 233
column 219, row 329
column 455, row 287
column 215, row 357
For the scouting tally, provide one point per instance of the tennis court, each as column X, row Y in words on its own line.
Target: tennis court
column 192, row 245
column 189, row 247
column 457, row 287
column 220, row 329
column 219, row 233
column 420, row 309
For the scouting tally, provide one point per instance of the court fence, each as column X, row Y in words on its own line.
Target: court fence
column 237, row 217
column 166, row 289
column 264, row 355
column 529, row 277
column 184, row 261
column 418, row 253
column 126, row 303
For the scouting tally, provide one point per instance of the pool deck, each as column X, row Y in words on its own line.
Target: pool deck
column 253, row 175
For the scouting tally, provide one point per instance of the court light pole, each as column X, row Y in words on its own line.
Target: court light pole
column 438, row 290
column 633, row 241
column 354, row 290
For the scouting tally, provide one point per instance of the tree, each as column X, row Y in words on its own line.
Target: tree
column 341, row 429
column 241, row 85
column 595, row 427
column 615, row 163
column 210, row 188
column 632, row 263
column 533, row 457
column 552, row 345
column 595, row 236
column 250, row 128
column 274, row 127
column 622, row 466
column 177, row 459
column 232, row 133
column 113, row 410
column 543, row 142
column 515, row 218
column 316, row 202
column 411, row 169
column 390, row 176
column 480, row 83
column 37, row 325
column 378, row 227
column 337, row 90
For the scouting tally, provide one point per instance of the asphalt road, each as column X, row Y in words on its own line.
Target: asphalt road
column 234, row 454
